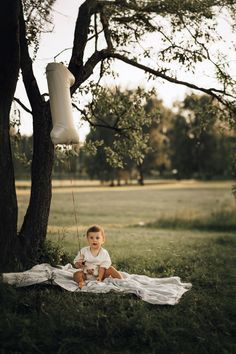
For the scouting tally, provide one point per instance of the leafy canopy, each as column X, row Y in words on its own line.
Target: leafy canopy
column 122, row 115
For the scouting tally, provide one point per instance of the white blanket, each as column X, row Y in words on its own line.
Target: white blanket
column 159, row 291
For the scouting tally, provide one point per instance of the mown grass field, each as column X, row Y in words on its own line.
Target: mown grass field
column 185, row 229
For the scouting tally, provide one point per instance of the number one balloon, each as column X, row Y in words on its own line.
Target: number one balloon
column 60, row 80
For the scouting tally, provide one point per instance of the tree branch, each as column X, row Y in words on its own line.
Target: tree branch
column 210, row 91
column 30, row 82
column 96, row 124
column 105, row 26
column 225, row 77
column 104, row 53
column 62, row 51
column 83, row 73
column 94, row 35
column 22, row 105
column 96, row 31
column 86, row 10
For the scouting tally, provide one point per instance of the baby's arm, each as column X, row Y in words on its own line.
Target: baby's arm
column 80, row 262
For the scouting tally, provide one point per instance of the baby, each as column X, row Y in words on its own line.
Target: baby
column 93, row 262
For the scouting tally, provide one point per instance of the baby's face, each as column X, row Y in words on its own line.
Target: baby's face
column 95, row 240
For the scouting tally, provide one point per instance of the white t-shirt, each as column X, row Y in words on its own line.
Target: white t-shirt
column 93, row 262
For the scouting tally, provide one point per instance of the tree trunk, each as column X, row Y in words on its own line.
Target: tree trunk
column 9, row 69
column 34, row 229
column 141, row 176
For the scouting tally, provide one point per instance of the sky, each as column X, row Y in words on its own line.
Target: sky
column 51, row 44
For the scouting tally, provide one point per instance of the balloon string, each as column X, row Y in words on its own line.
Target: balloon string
column 75, row 213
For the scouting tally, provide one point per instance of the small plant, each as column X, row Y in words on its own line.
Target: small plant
column 52, row 253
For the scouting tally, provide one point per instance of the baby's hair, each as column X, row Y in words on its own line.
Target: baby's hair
column 96, row 228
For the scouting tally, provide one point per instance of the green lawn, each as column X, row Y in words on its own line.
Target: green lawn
column 42, row 319
column 122, row 206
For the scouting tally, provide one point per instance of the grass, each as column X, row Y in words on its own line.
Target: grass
column 44, row 319
column 219, row 220
column 121, row 206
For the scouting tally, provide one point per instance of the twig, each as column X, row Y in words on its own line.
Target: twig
column 22, row 105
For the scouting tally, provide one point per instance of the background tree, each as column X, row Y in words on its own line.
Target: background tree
column 120, row 140
column 181, row 148
column 97, row 166
column 183, row 30
column 157, row 159
column 22, row 155
column 201, row 144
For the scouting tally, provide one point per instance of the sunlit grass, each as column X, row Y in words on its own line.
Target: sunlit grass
column 132, row 205
column 222, row 219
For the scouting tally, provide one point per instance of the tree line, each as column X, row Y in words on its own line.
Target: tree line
column 189, row 141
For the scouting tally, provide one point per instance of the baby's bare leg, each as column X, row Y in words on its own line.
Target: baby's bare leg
column 79, row 278
column 112, row 272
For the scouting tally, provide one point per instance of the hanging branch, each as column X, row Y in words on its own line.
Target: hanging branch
column 101, row 72
column 107, row 126
column 82, row 71
column 62, row 51
column 208, row 56
column 95, row 124
column 22, row 105
column 210, row 91
column 104, row 53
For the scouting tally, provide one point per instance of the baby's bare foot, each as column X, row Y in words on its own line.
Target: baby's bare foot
column 81, row 284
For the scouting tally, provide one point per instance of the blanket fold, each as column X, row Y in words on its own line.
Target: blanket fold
column 159, row 291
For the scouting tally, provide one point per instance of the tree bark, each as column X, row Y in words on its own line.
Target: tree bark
column 141, row 176
column 34, row 228
column 9, row 70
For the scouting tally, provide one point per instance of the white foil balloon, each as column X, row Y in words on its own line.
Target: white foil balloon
column 60, row 80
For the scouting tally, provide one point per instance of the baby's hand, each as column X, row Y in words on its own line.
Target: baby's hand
column 79, row 264
column 99, row 279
